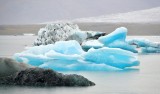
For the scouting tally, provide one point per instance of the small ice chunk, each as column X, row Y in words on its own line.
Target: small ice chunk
column 143, row 43
column 150, row 50
column 147, row 45
column 69, row 55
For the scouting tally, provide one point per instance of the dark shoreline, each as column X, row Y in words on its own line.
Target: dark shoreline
column 142, row 29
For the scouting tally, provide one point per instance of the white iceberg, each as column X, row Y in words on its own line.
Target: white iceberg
column 59, row 32
column 68, row 55
column 54, row 32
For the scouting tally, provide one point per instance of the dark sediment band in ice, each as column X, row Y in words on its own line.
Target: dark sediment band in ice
column 9, row 66
column 44, row 77
column 14, row 73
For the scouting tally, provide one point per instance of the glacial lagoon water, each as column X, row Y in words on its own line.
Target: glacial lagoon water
column 144, row 79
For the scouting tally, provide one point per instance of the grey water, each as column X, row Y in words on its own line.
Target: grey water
column 144, row 79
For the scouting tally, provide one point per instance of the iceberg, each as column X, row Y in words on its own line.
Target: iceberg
column 143, row 43
column 59, row 32
column 150, row 50
column 117, row 39
column 146, row 45
column 69, row 55
column 118, row 34
column 54, row 32
column 37, row 55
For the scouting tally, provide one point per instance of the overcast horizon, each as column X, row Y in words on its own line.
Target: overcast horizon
column 39, row 11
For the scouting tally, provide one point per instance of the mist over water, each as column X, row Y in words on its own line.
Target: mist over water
column 39, row 11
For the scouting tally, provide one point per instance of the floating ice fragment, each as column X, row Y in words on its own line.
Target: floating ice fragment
column 147, row 45
column 143, row 43
column 150, row 50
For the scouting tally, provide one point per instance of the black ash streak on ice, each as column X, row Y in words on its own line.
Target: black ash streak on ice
column 9, row 66
column 24, row 75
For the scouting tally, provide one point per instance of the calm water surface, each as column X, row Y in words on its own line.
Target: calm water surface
column 144, row 79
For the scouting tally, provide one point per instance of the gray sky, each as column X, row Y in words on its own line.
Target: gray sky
column 38, row 11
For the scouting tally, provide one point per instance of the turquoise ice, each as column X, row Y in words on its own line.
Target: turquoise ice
column 116, row 39
column 68, row 55
column 146, row 45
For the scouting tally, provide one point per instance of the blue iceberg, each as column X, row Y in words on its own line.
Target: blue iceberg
column 150, row 50
column 143, row 43
column 69, row 55
column 146, row 45
column 116, row 39
column 37, row 55
column 118, row 34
